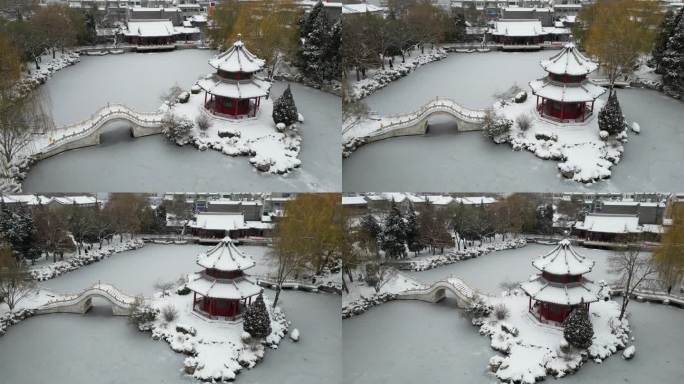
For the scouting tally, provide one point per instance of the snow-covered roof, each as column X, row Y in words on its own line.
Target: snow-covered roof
column 563, row 294
column 354, row 200
column 26, row 199
column 439, row 199
column 78, row 200
column 237, row 59
column 259, row 225
column 225, row 256
column 632, row 203
column 609, row 223
column 569, row 61
column 361, row 8
column 521, row 27
column 571, row 93
column 236, row 89
column 156, row 28
column 219, row 221
column 475, row 200
column 563, row 260
column 186, row 29
column 235, row 289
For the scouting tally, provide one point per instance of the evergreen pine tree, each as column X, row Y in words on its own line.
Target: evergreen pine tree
column 315, row 48
column 257, row 322
column 394, row 234
column 333, row 55
column 666, row 29
column 370, row 227
column 673, row 60
column 412, row 231
column 307, row 22
column 578, row 329
column 610, row 118
column 284, row 109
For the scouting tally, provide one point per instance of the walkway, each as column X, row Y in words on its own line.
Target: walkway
column 82, row 302
column 87, row 132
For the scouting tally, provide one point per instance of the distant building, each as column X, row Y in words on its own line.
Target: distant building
column 615, row 228
column 544, row 15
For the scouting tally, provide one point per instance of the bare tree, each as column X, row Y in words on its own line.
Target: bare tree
column 15, row 281
column 164, row 286
column 289, row 264
column 634, row 269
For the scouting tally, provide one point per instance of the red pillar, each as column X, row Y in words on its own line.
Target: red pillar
column 529, row 305
column 205, row 99
column 194, row 300
column 562, row 110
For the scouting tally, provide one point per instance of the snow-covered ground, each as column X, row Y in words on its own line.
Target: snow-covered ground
column 422, row 263
column 361, row 296
column 216, row 351
column 582, row 154
column 47, row 269
column 532, row 350
column 269, row 150
column 378, row 78
column 35, row 77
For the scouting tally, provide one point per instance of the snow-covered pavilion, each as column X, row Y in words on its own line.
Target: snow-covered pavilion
column 565, row 94
column 560, row 286
column 234, row 90
column 223, row 287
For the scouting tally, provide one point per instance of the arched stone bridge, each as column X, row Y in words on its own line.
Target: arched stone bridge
column 416, row 123
column 82, row 302
column 87, row 133
column 465, row 296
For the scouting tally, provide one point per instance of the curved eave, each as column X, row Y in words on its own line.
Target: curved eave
column 225, row 257
column 562, row 294
column 582, row 92
column 235, row 89
column 237, row 59
column 229, row 289
column 569, row 61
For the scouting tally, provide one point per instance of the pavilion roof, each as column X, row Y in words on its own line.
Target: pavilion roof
column 237, row 59
column 225, row 256
column 563, row 294
column 563, row 260
column 569, row 61
column 235, row 289
column 571, row 93
column 518, row 28
column 235, row 89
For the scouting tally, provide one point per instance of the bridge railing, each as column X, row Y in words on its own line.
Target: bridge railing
column 141, row 118
column 110, row 290
column 467, row 114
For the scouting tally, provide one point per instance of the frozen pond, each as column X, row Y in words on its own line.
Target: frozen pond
column 447, row 160
column 154, row 164
column 98, row 347
column 411, row 341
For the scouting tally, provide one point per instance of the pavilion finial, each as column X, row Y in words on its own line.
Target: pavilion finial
column 239, row 36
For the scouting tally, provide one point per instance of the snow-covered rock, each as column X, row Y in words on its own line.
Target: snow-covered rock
column 294, row 335
column 629, row 352
column 603, row 134
column 636, row 128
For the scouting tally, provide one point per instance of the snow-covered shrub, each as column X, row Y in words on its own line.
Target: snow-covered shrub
column 294, row 335
column 524, row 121
column 184, row 97
column 501, row 311
column 578, row 328
column 141, row 313
column 284, row 109
column 229, row 132
column 169, row 313
column 257, row 322
column 603, row 134
column 203, row 122
column 610, row 117
column 496, row 128
column 174, row 127
column 520, row 97
column 186, row 329
column 629, row 352
column 546, row 136
column 636, row 128
column 479, row 308
column 182, row 291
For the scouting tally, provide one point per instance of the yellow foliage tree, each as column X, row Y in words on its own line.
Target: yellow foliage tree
column 617, row 32
column 309, row 236
column 269, row 28
column 669, row 257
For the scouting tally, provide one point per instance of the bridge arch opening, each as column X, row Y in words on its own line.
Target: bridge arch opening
column 116, row 132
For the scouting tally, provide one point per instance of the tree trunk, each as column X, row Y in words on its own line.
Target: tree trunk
column 625, row 301
column 277, row 295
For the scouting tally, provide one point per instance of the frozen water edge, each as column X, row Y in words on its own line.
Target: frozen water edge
column 270, row 150
column 532, row 351
column 216, row 351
